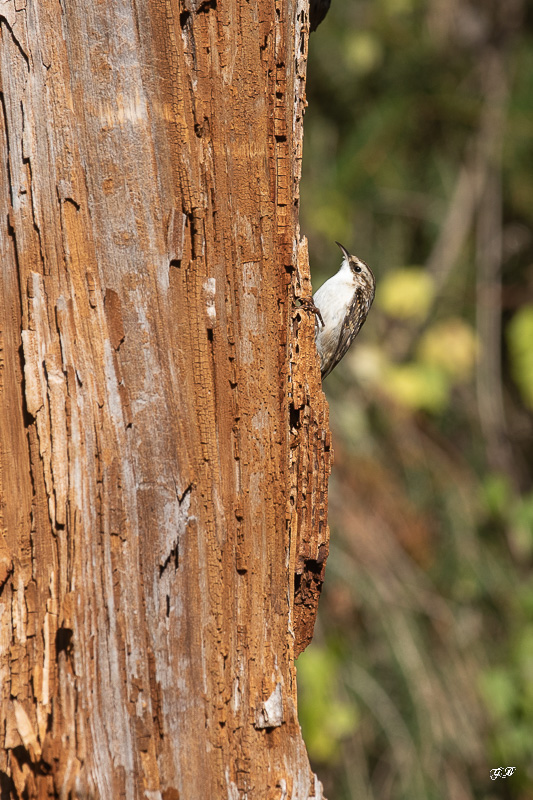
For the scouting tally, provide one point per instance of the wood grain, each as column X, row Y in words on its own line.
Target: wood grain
column 154, row 506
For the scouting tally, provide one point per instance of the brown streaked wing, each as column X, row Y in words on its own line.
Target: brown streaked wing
column 353, row 322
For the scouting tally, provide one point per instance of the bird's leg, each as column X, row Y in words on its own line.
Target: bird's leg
column 307, row 304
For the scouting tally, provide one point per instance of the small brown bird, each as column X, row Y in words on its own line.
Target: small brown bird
column 343, row 303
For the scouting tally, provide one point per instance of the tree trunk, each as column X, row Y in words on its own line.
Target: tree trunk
column 163, row 471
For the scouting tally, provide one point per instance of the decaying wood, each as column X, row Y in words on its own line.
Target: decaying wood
column 310, row 455
column 155, row 498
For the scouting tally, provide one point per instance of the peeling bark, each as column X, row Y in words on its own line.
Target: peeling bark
column 310, row 465
column 164, row 445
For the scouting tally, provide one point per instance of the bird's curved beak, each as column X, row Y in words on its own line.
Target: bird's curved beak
column 344, row 250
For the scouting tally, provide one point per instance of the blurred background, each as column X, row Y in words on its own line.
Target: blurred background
column 418, row 157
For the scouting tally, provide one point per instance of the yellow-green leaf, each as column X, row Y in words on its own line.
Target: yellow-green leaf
column 452, row 345
column 406, row 293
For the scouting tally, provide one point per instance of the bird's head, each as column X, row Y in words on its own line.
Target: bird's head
column 361, row 272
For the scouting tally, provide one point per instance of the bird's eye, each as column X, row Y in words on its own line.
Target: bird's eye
column 357, row 268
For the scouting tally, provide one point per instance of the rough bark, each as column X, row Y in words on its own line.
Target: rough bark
column 310, row 466
column 163, row 461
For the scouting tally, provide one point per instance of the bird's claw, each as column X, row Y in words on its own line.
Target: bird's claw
column 307, row 304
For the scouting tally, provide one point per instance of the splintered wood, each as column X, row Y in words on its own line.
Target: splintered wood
column 161, row 401
column 310, row 463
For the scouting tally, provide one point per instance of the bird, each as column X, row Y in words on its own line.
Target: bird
column 341, row 305
column 317, row 11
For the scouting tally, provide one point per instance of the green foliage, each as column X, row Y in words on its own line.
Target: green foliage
column 450, row 345
column 500, row 692
column 419, row 681
column 406, row 293
column 520, row 338
column 418, row 386
column 521, row 526
column 508, row 694
column 324, row 717
column 496, row 495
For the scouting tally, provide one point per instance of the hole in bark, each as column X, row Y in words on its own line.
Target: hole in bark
column 206, row 6
column 21, row 754
column 7, row 787
column 72, row 202
column 210, row 334
column 173, row 557
column 312, row 576
column 315, row 567
column 294, row 417
column 64, row 641
column 27, row 417
column 168, row 606
column 184, row 494
column 184, row 18
column 175, row 262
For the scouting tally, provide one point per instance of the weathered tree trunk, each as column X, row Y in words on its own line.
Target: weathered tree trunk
column 163, row 470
